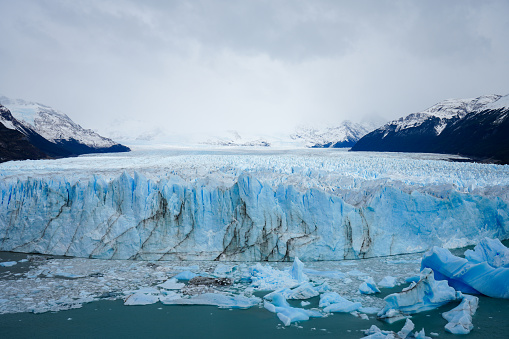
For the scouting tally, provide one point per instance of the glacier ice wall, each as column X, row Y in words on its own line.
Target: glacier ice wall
column 223, row 212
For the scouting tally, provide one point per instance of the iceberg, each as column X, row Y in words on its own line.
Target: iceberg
column 186, row 275
column 387, row 282
column 248, row 207
column 8, row 263
column 460, row 318
column 472, row 277
column 216, row 299
column 286, row 313
column 171, row 284
column 406, row 332
column 368, row 286
column 424, row 295
column 333, row 302
column 491, row 251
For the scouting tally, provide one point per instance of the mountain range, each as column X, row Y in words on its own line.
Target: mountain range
column 476, row 128
column 51, row 133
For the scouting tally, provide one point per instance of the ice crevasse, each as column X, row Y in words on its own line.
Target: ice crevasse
column 251, row 216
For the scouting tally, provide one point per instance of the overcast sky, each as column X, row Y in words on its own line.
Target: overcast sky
column 257, row 66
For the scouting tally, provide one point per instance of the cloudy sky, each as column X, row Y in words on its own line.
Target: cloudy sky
column 201, row 67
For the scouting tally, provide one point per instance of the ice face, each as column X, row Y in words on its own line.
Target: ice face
column 157, row 206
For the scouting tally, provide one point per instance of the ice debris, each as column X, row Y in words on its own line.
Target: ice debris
column 171, row 284
column 186, row 275
column 286, row 313
column 333, row 302
column 368, row 286
column 297, row 271
column 460, row 318
column 387, row 282
column 216, row 299
column 405, row 333
column 8, row 263
column 424, row 295
column 470, row 274
column 305, row 290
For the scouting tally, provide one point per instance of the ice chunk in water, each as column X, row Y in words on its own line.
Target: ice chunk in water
column 141, row 299
column 460, row 318
column 186, row 275
column 470, row 277
column 216, row 299
column 286, row 313
column 424, row 295
column 387, row 282
column 368, row 286
column 333, row 302
column 8, row 263
column 171, row 284
column 297, row 271
column 491, row 251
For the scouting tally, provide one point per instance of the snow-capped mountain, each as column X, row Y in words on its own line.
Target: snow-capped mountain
column 344, row 135
column 473, row 127
column 15, row 145
column 58, row 128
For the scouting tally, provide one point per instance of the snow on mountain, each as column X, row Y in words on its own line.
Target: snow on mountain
column 344, row 135
column 502, row 103
column 446, row 111
column 53, row 125
column 170, row 204
column 477, row 127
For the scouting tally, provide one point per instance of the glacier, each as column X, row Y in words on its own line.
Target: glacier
column 249, row 206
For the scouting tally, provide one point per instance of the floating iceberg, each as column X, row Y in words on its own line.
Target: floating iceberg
column 424, row 295
column 460, row 318
column 406, row 332
column 171, row 284
column 491, row 251
column 216, row 299
column 333, row 302
column 387, row 282
column 473, row 276
column 8, row 263
column 368, row 286
column 303, row 291
column 186, row 275
column 286, row 313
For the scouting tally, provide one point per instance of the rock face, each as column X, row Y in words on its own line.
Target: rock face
column 54, row 132
column 477, row 128
column 15, row 145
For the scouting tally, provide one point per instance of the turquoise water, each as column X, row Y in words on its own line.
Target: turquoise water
column 111, row 319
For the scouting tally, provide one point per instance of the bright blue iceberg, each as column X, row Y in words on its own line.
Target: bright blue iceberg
column 426, row 294
column 472, row 276
column 286, row 313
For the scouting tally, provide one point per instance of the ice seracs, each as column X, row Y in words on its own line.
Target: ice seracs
column 167, row 206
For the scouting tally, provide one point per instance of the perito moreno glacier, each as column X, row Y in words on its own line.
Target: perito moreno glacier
column 206, row 205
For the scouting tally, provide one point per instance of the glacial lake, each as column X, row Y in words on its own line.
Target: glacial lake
column 112, row 319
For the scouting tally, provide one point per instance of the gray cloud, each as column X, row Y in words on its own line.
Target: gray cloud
column 202, row 66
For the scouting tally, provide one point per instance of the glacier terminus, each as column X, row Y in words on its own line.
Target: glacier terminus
column 237, row 205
